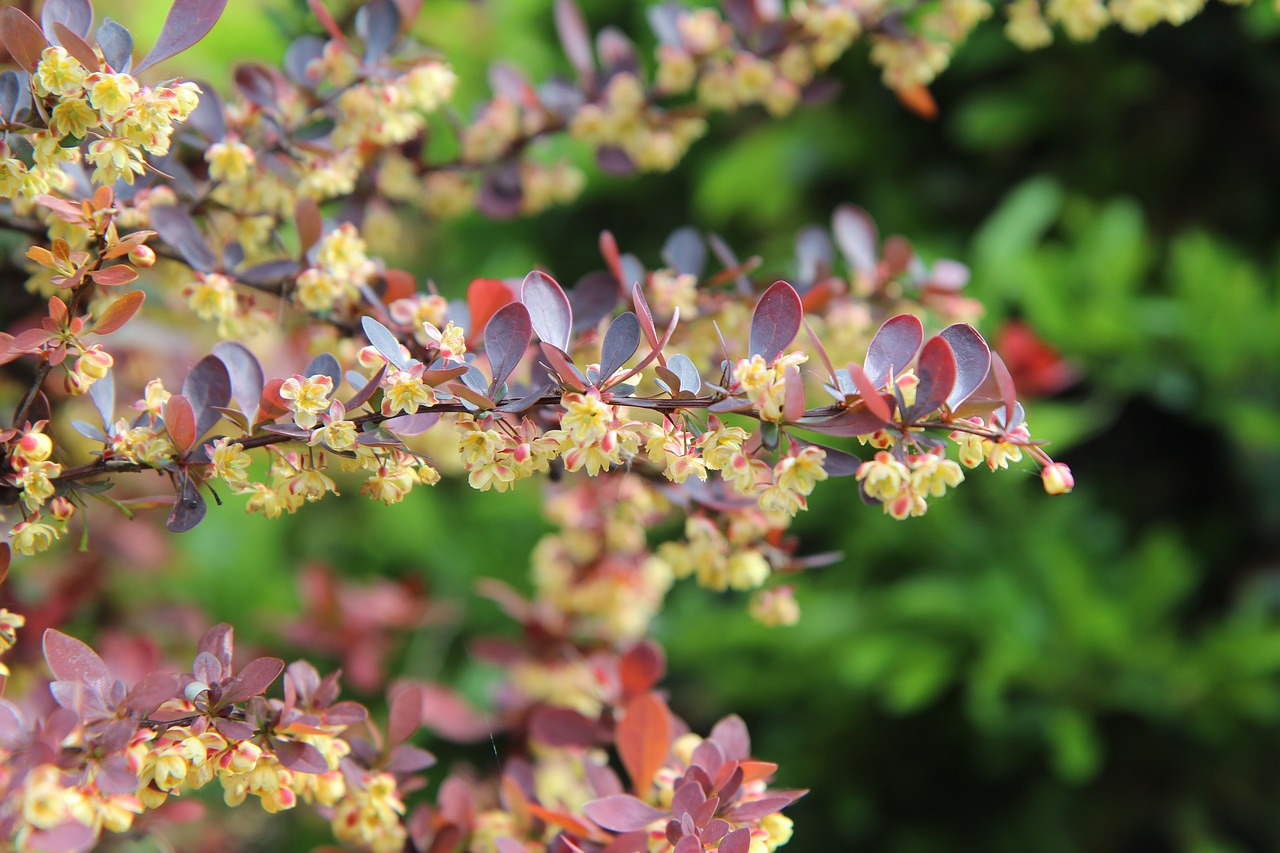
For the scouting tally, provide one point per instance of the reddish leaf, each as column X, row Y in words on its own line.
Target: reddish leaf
column 118, row 312
column 641, row 668
column 506, row 338
column 407, row 758
column 919, row 100
column 793, row 406
column 114, row 276
column 235, row 729
column 556, row 726
column 207, row 388
column 609, row 251
column 71, row 660
column 404, row 717
column 775, row 321
column 484, row 297
column 560, row 819
column 175, row 226
column 894, row 346
column 188, row 21
column 1004, row 381
column 621, row 813
column 256, row 676
column 563, row 365
column 937, row 371
column 151, row 692
column 21, row 37
column 300, row 756
column 218, row 641
column 450, row 716
column 271, row 405
column 620, row 343
column 738, row 841
column 973, row 361
column 576, row 40
column 180, row 421
column 645, row 316
column 70, row 837
column 327, row 21
column 76, row 46
column 548, row 309
column 871, row 398
column 756, row 809
column 732, row 736
column 644, row 739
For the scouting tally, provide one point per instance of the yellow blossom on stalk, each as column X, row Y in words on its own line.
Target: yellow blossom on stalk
column 451, row 341
column 494, row 473
column 13, row 176
column 115, row 159
column 230, row 160
column 310, row 484
column 778, row 830
column 775, row 498
column 35, row 481
column 586, row 418
column 1000, row 453
column 59, row 74
column 307, row 397
column 972, row 449
column 883, row 477
column 762, row 384
column 430, row 85
column 932, row 474
column 342, row 253
column 747, row 569
column 419, row 309
column 404, row 391
column 801, row 472
column 74, row 117
column 228, row 460
column 268, row 501
column 10, row 622
column 1026, row 26
column 45, row 802
column 721, row 443
column 476, row 445
column 33, row 445
column 389, row 485
column 338, row 433
column 111, row 94
column 1057, row 478
column 370, row 815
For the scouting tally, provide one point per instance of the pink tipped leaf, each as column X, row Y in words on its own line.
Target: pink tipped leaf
column 894, row 346
column 936, row 370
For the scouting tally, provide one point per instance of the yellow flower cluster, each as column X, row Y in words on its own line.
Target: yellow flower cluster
column 655, row 140
column 903, row 487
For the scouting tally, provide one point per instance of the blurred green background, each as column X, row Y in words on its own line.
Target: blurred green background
column 1011, row 672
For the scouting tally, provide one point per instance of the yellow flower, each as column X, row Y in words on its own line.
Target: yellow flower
column 307, row 397
column 59, row 74
column 801, row 472
column 115, row 159
column 586, row 418
column 404, row 391
column 230, row 160
column 74, row 117
column 111, row 94
column 883, row 477
column 229, row 461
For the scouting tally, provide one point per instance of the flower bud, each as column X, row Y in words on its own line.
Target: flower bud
column 62, row 509
column 94, row 363
column 34, row 447
column 1057, row 479
column 142, row 256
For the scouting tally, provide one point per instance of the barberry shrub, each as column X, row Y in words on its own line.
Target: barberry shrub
column 690, row 392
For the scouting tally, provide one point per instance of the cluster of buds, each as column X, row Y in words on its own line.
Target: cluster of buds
column 32, row 472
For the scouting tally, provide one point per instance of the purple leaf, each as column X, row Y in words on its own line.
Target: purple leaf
column 575, row 39
column 814, row 255
column 207, row 387
column 894, row 346
column 620, row 343
column 775, row 321
column 621, row 813
column 208, row 669
column 688, row 798
column 614, row 160
column 617, row 53
column 738, row 841
column 973, row 361
column 218, row 641
column 855, row 233
column 103, row 395
column 116, row 43
column 299, row 756
column 592, row 298
column 152, row 691
column 501, row 192
column 685, row 370
column 89, row 430
column 732, row 737
column 75, row 15
column 378, row 25
column 384, row 342
column 71, row 660
column 756, row 809
column 555, row 726
column 15, row 95
column 549, row 309
column 326, row 365
column 176, row 227
column 688, row 844
column 1004, row 381
column 13, row 728
column 685, row 251
column 254, row 678
column 188, row 21
column 244, row 371
column 236, row 730
column 258, row 84
column 937, row 371
column 188, row 507
column 367, row 387
column 268, row 272
column 346, row 713
column 506, row 338
column 407, row 758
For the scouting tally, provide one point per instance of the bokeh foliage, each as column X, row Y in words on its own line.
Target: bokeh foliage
column 1097, row 672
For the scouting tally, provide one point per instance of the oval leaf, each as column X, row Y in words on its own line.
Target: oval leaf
column 245, row 372
column 71, row 660
column 506, row 338
column 180, row 421
column 644, row 738
column 937, row 371
column 855, row 233
column 103, row 394
column 325, row 364
column 384, row 342
column 75, row 15
column 189, row 508
column 116, row 44
column 256, row 676
column 620, row 343
column 894, row 346
column 775, row 321
column 208, row 388
column 621, row 813
column 548, row 309
column 176, row 227
column 21, row 37
column 973, row 361
column 118, row 312
column 188, row 21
